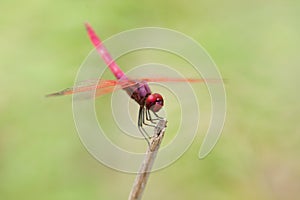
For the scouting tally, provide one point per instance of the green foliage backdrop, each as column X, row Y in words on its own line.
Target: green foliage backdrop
column 256, row 45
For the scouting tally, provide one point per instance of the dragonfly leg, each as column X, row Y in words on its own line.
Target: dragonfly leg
column 149, row 118
column 156, row 115
column 140, row 126
column 144, row 133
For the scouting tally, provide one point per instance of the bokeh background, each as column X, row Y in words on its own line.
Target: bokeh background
column 256, row 46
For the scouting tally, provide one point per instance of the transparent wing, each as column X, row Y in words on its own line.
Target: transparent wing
column 107, row 86
column 178, row 80
column 101, row 86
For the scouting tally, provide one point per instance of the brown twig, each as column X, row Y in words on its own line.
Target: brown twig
column 144, row 172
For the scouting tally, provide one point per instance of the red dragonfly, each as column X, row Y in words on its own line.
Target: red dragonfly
column 137, row 89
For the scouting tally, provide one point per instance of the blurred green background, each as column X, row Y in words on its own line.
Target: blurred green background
column 256, row 47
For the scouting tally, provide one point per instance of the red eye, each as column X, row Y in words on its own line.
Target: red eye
column 154, row 102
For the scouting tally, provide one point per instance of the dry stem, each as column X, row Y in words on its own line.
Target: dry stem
column 144, row 172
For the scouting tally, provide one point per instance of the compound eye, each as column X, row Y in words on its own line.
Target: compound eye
column 154, row 102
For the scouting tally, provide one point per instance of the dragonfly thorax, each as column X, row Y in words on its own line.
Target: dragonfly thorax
column 154, row 102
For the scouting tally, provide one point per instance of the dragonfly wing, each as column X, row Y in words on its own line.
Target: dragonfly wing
column 121, row 84
column 101, row 86
column 177, row 80
column 86, row 86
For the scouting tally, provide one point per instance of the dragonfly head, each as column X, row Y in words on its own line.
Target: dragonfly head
column 154, row 102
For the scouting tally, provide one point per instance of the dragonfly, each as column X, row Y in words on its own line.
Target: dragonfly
column 138, row 89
